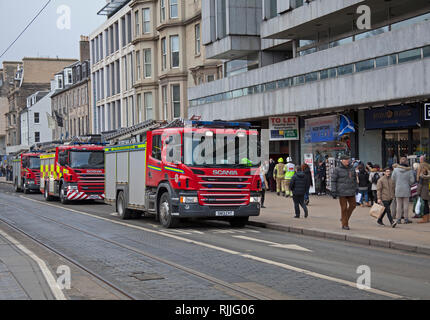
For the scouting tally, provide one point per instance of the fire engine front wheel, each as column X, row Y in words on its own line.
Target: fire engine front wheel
column 165, row 212
column 63, row 192
column 121, row 207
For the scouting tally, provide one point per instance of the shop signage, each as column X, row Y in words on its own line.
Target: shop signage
column 392, row 117
column 284, row 128
column 427, row 111
column 321, row 129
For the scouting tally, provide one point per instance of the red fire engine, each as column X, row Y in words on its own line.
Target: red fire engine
column 26, row 172
column 73, row 172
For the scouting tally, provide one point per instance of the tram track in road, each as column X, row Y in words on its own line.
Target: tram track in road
column 243, row 293
column 236, row 252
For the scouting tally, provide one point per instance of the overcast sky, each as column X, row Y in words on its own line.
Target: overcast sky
column 44, row 38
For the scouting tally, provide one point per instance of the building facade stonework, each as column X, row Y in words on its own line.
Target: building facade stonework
column 144, row 58
column 33, row 75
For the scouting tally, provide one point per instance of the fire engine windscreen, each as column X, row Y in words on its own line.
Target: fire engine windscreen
column 31, row 163
column 222, row 148
column 87, row 160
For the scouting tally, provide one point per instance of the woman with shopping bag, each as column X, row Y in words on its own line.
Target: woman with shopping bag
column 385, row 192
column 423, row 190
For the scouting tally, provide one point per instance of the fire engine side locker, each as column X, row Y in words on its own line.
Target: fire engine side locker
column 16, row 167
column 125, row 170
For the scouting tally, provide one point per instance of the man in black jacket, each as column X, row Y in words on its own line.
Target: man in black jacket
column 299, row 185
column 344, row 186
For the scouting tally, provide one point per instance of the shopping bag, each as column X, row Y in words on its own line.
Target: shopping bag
column 418, row 206
column 358, row 197
column 377, row 210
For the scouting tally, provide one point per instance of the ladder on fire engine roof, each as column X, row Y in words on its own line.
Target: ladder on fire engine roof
column 51, row 145
column 140, row 129
column 130, row 135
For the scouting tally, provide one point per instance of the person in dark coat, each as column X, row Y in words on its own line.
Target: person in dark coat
column 269, row 176
column 299, row 185
column 320, row 178
column 344, row 186
column 307, row 171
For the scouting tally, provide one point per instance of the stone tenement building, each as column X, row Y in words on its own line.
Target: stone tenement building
column 71, row 102
column 34, row 75
column 7, row 78
column 144, row 57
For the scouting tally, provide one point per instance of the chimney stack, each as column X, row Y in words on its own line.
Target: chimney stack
column 84, row 48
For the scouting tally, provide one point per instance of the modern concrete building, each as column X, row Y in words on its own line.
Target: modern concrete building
column 144, row 57
column 71, row 101
column 301, row 65
column 33, row 75
column 34, row 119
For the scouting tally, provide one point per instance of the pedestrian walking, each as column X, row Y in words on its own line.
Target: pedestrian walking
column 269, row 176
column 344, row 186
column 403, row 177
column 278, row 175
column 374, row 176
column 363, row 185
column 415, row 197
column 263, row 184
column 385, row 195
column 307, row 171
column 423, row 190
column 299, row 184
column 320, row 178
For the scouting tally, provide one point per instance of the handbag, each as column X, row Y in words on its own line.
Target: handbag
column 414, row 190
column 376, row 211
column 358, row 197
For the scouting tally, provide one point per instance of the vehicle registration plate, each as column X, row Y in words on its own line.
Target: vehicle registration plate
column 93, row 197
column 224, row 213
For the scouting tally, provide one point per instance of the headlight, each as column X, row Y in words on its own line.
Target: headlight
column 73, row 187
column 255, row 199
column 189, row 200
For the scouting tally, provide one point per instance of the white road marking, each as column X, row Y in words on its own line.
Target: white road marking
column 251, row 257
column 275, row 245
column 55, row 289
column 193, row 231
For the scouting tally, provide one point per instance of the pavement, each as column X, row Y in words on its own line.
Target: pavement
column 324, row 221
column 20, row 276
column 3, row 180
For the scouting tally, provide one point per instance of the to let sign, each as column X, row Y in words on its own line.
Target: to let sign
column 427, row 111
column 284, row 128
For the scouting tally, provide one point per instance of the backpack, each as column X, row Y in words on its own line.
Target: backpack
column 375, row 178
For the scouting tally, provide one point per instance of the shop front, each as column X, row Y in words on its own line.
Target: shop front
column 321, row 139
column 404, row 131
column 284, row 137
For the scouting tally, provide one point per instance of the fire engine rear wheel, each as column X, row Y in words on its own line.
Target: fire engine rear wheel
column 63, row 198
column 121, row 207
column 165, row 212
column 17, row 189
column 46, row 193
column 239, row 222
